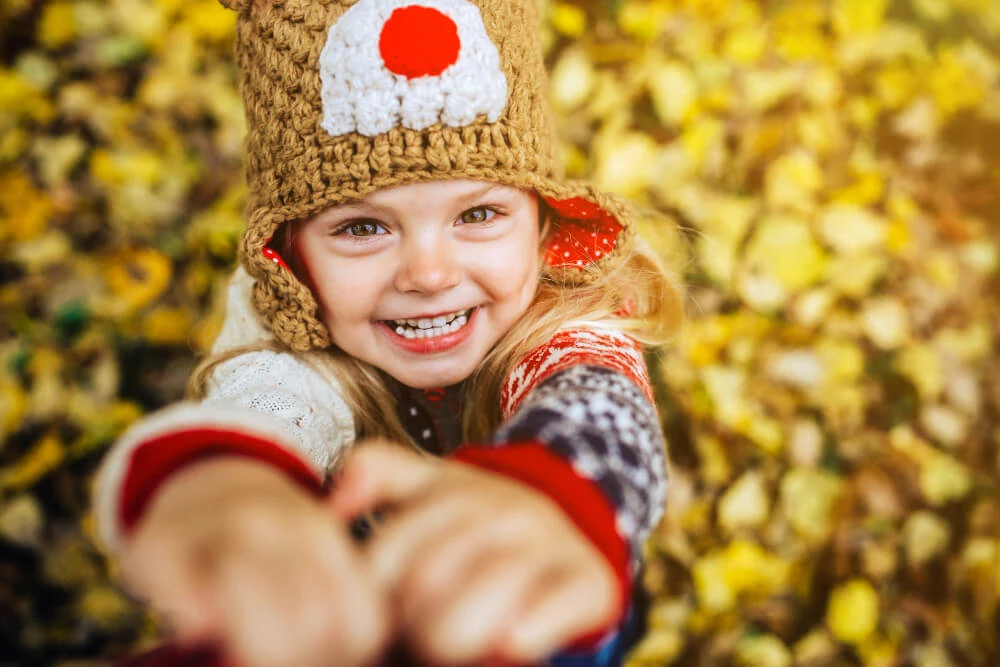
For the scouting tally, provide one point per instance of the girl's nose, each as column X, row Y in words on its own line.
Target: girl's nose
column 428, row 268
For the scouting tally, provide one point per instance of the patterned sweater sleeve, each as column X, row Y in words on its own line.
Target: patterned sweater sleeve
column 266, row 405
column 585, row 399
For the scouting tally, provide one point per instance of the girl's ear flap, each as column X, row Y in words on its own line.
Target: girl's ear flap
column 235, row 5
column 582, row 233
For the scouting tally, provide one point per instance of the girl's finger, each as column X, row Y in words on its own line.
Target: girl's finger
column 176, row 587
column 419, row 529
column 565, row 608
column 467, row 626
column 343, row 580
column 440, row 571
column 377, row 473
column 274, row 615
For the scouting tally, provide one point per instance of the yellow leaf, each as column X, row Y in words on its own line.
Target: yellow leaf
column 745, row 46
column 886, row 323
column 943, row 479
column 127, row 166
column 749, row 568
column 137, row 277
column 933, row 10
column 644, row 20
column 896, row 85
column 50, row 249
column 105, row 607
column 745, row 504
column 568, row 19
column 24, row 210
column 658, row 647
column 673, row 90
column 844, row 361
column 808, row 497
column 764, row 89
column 572, row 79
column 711, row 586
column 715, row 467
column 726, row 388
column 925, row 535
column 921, row 364
column 941, row 268
column 57, row 26
column 762, row 651
column 821, row 132
column 813, row 305
column 867, row 189
column 971, row 344
column 784, row 248
column 851, row 229
column 920, row 120
column 799, row 368
column 167, row 326
column 855, row 275
column 44, row 456
column 13, row 407
column 793, row 181
column 853, row 611
column 624, row 163
column 22, row 521
column 981, row 256
column 852, row 17
column 953, row 84
column 703, row 140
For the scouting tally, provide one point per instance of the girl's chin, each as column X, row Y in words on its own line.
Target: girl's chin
column 428, row 378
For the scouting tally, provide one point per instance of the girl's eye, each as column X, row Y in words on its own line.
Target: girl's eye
column 362, row 228
column 477, row 215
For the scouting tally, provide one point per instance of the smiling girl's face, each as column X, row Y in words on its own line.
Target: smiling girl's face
column 420, row 280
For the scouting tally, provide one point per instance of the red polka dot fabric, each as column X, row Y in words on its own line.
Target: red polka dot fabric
column 584, row 235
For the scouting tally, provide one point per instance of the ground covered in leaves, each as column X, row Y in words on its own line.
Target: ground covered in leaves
column 824, row 176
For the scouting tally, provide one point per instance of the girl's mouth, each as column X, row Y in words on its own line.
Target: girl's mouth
column 430, row 327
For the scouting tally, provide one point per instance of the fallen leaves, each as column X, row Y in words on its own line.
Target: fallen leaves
column 823, row 173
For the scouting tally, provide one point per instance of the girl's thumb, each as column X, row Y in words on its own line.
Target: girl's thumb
column 379, row 473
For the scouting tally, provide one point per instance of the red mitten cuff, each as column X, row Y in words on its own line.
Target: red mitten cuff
column 579, row 497
column 155, row 460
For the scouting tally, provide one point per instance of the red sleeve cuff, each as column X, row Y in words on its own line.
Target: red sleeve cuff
column 582, row 500
column 155, row 460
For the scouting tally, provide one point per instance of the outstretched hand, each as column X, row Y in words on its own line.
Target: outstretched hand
column 478, row 566
column 237, row 555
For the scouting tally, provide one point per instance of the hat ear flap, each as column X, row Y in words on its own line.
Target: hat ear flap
column 582, row 234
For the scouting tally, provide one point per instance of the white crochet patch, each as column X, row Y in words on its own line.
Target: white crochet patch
column 360, row 94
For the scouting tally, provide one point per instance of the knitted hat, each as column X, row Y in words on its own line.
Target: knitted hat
column 344, row 97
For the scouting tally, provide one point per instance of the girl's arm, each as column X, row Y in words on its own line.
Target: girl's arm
column 264, row 405
column 528, row 545
column 581, row 426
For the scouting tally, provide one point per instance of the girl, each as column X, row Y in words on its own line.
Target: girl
column 414, row 273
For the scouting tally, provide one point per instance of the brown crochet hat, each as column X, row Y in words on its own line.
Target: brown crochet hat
column 344, row 97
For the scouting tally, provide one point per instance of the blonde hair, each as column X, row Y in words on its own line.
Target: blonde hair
column 637, row 296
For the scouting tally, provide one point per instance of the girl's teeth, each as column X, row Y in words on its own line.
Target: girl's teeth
column 430, row 327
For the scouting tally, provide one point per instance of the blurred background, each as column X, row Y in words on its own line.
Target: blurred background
column 823, row 174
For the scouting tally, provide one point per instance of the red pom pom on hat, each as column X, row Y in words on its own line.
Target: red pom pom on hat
column 419, row 41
